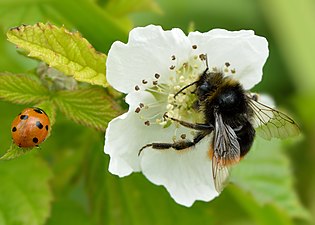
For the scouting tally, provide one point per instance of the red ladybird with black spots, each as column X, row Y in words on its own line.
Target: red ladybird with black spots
column 30, row 127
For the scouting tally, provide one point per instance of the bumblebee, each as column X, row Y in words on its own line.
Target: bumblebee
column 230, row 113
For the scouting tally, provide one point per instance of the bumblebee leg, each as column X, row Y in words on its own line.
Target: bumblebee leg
column 177, row 145
column 195, row 126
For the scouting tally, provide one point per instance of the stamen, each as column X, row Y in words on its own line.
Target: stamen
column 203, row 57
column 194, row 46
column 157, row 91
column 137, row 110
column 137, row 88
column 180, row 107
column 227, row 64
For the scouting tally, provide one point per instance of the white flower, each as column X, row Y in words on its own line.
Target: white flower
column 150, row 69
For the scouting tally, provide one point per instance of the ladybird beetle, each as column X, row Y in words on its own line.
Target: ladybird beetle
column 30, row 127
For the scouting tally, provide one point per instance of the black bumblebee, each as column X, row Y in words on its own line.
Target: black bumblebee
column 230, row 113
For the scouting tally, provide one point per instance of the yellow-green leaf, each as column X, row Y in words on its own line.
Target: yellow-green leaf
column 66, row 51
column 91, row 107
column 22, row 89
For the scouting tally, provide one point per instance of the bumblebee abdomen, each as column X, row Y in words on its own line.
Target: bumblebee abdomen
column 245, row 137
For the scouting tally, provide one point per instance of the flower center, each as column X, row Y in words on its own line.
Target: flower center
column 175, row 96
column 181, row 101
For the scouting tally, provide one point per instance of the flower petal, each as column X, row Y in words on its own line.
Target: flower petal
column 127, row 134
column 243, row 50
column 148, row 51
column 186, row 174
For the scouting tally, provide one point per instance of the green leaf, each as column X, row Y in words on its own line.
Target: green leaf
column 68, row 52
column 91, row 107
column 64, row 209
column 297, row 50
column 50, row 109
column 120, row 8
column 265, row 173
column 22, row 89
column 261, row 214
column 25, row 193
column 15, row 151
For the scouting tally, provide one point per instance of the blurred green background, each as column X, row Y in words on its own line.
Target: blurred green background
column 67, row 182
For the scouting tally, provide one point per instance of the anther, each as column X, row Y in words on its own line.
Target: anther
column 144, row 81
column 173, row 57
column 141, row 105
column 137, row 110
column 155, row 82
column 227, row 64
column 194, row 46
column 147, row 123
column 157, row 76
column 233, row 70
column 172, row 67
column 137, row 88
column 202, row 56
column 183, row 136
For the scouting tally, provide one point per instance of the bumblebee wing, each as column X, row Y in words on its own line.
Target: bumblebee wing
column 220, row 174
column 226, row 152
column 271, row 122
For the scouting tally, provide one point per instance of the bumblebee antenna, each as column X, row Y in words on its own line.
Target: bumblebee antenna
column 203, row 57
column 187, row 86
column 206, row 59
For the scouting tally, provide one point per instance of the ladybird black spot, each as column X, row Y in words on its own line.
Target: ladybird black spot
column 39, row 125
column 38, row 110
column 23, row 117
column 13, row 129
column 35, row 140
column 46, row 127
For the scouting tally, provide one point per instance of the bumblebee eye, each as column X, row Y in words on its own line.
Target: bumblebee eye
column 204, row 89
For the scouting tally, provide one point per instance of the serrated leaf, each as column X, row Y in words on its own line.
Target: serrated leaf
column 66, row 51
column 91, row 107
column 25, row 193
column 21, row 89
column 265, row 173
